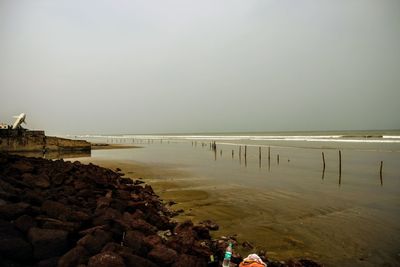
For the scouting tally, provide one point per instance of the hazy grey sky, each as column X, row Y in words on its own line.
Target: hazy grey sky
column 117, row 66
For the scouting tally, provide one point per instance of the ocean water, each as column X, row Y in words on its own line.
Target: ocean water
column 280, row 197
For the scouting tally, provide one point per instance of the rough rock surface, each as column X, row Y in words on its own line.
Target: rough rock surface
column 66, row 214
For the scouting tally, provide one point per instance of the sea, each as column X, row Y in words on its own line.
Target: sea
column 330, row 196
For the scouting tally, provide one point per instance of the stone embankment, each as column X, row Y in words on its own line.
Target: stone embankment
column 56, row 213
column 22, row 140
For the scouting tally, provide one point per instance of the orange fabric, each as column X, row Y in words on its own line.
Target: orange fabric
column 251, row 264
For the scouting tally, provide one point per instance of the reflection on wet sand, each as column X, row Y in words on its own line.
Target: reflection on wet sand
column 54, row 154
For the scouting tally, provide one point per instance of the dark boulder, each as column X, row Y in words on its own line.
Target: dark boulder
column 48, row 243
column 95, row 241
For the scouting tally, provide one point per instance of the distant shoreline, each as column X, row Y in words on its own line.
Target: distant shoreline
column 99, row 146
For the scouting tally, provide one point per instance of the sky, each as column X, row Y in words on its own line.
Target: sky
column 127, row 66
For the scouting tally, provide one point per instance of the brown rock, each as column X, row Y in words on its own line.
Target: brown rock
column 75, row 256
column 36, row 181
column 23, row 166
column 95, row 241
column 162, row 255
column 152, row 241
column 106, row 259
column 143, row 226
column 135, row 240
column 56, row 210
column 47, row 243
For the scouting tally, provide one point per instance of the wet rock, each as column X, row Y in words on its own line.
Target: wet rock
column 47, row 243
column 247, row 245
column 210, row 225
column 74, row 257
column 202, row 231
column 106, row 259
column 162, row 255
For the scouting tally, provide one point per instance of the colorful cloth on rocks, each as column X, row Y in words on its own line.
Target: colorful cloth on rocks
column 253, row 260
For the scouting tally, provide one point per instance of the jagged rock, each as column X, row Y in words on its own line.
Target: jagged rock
column 163, row 255
column 47, row 243
column 106, row 259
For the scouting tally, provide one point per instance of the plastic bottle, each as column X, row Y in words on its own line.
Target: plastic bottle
column 228, row 255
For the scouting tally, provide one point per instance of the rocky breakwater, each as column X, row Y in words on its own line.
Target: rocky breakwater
column 56, row 213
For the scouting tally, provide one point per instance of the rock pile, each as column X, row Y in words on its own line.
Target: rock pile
column 56, row 213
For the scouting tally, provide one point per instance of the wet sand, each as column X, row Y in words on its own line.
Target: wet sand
column 289, row 212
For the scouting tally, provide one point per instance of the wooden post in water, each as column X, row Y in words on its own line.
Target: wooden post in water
column 233, row 152
column 259, row 157
column 240, row 153
column 380, row 172
column 340, row 167
column 269, row 158
column 245, row 155
column 220, row 152
column 323, row 169
column 277, row 159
